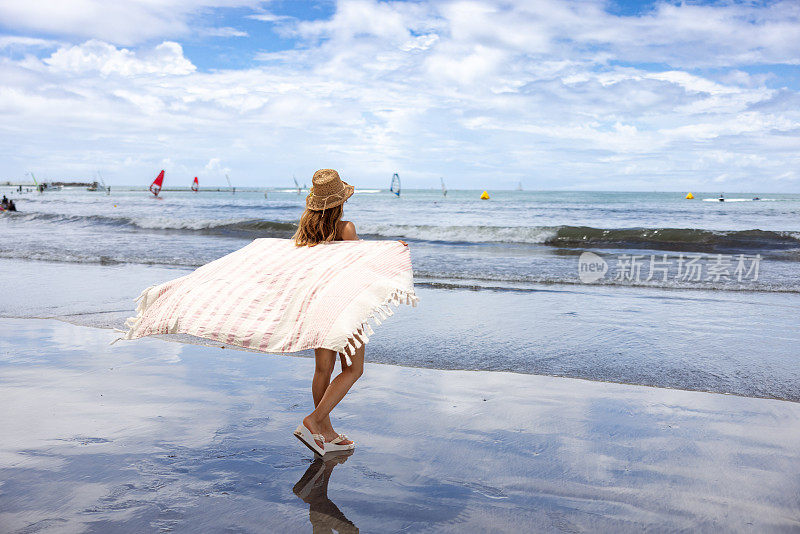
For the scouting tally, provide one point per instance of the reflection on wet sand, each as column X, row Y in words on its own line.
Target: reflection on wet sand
column 312, row 488
column 156, row 436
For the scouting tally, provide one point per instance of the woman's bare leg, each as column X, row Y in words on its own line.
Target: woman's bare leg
column 325, row 362
column 317, row 420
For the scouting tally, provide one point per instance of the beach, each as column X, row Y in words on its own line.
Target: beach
column 565, row 295
column 514, row 398
column 161, row 436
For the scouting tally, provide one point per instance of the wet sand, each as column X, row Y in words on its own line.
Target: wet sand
column 155, row 435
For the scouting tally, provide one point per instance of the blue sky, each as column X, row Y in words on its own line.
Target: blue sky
column 585, row 94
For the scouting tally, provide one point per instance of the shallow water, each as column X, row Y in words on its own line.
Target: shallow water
column 742, row 343
column 516, row 238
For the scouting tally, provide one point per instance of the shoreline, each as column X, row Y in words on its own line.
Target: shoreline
column 467, row 282
column 152, row 435
column 694, row 342
column 185, row 339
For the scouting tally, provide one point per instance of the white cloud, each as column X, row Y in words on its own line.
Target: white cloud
column 96, row 56
column 266, row 16
column 19, row 41
column 223, row 31
column 468, row 88
column 126, row 22
column 214, row 166
column 421, row 42
column 789, row 175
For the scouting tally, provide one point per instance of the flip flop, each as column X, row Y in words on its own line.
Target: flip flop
column 334, row 444
column 309, row 440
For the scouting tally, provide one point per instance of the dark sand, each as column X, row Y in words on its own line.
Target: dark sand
column 152, row 435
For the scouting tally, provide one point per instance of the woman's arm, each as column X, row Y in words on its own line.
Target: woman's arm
column 349, row 232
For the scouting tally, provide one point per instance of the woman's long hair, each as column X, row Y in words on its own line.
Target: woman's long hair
column 317, row 226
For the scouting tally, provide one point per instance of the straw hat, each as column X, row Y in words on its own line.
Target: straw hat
column 328, row 190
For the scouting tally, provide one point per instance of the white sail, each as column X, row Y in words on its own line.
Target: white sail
column 395, row 187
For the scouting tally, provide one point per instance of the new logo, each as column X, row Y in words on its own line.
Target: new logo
column 591, row 267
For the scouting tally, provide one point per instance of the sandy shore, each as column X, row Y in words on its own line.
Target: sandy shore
column 151, row 435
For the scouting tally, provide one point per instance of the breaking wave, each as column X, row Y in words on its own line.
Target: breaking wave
column 679, row 239
column 674, row 239
column 243, row 227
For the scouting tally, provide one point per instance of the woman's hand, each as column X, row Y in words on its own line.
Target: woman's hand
column 403, row 242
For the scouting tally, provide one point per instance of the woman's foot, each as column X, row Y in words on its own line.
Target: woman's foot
column 331, row 435
column 339, row 443
column 313, row 441
column 316, row 428
column 326, row 430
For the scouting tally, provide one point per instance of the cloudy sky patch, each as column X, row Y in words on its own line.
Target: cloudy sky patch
column 584, row 94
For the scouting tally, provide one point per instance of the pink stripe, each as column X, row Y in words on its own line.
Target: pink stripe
column 245, row 315
column 246, row 339
column 243, row 298
column 308, row 295
column 221, row 308
column 307, row 302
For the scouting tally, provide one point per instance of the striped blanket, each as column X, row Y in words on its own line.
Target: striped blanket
column 273, row 296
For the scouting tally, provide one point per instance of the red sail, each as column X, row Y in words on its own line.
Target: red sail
column 155, row 187
column 195, row 185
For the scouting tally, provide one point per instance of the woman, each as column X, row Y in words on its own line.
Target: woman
column 322, row 222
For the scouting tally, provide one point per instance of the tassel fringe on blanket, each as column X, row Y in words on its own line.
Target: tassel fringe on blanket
column 273, row 296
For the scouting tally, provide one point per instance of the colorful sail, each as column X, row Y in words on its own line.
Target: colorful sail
column 39, row 188
column 195, row 185
column 155, row 187
column 395, row 188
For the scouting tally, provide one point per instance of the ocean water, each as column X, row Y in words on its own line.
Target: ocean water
column 515, row 240
column 712, row 304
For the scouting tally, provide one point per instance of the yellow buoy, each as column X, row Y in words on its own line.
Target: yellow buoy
column 484, row 196
column 690, row 196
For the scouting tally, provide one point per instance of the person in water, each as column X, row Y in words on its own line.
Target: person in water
column 322, row 222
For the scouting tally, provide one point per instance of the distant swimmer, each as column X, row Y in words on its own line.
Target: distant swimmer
column 7, row 204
